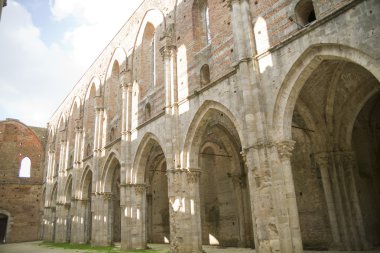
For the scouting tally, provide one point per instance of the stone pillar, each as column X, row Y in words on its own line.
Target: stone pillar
column 50, row 169
column 49, row 224
column 193, row 177
column 62, row 158
column 133, row 217
column 79, row 220
column 60, row 227
column 358, row 237
column 237, row 183
column 238, row 29
column 338, row 179
column 322, row 161
column 166, row 53
column 285, row 149
column 266, row 229
column 184, row 211
column 78, row 144
column 102, row 220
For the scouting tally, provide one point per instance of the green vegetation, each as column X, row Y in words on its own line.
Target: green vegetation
column 89, row 248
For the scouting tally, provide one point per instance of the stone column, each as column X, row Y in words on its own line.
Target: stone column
column 322, row 161
column 266, row 230
column 237, row 182
column 78, row 144
column 357, row 224
column 97, row 143
column 139, row 242
column 285, row 149
column 62, row 158
column 184, row 211
column 193, row 177
column 102, row 229
column 50, row 169
column 60, row 226
column 78, row 224
column 49, row 224
column 167, row 52
column 133, row 218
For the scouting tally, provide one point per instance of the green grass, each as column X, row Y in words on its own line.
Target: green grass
column 89, row 248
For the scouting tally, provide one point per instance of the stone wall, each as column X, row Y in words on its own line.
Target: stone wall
column 235, row 88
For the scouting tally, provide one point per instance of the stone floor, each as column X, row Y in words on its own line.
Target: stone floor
column 34, row 247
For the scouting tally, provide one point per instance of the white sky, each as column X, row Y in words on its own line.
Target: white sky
column 46, row 46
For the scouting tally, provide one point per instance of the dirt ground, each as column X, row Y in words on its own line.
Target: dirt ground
column 34, row 247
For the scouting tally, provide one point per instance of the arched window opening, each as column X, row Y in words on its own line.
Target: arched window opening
column 205, row 75
column 305, row 13
column 147, row 111
column 201, row 23
column 25, row 167
column 148, row 59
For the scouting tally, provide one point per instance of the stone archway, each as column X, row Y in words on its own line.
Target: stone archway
column 106, row 230
column 151, row 173
column 5, row 225
column 366, row 147
column 83, row 218
column 326, row 101
column 223, row 188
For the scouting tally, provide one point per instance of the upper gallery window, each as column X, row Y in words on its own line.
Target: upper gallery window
column 25, row 167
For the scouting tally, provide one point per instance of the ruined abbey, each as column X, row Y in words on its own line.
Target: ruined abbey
column 244, row 123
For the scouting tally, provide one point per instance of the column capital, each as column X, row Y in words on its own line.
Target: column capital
column 139, row 188
column 175, row 171
column 285, row 148
column 348, row 157
column 168, row 51
column 231, row 2
column 107, row 195
column 322, row 159
column 193, row 175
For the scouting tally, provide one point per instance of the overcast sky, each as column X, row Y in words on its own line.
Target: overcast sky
column 46, row 46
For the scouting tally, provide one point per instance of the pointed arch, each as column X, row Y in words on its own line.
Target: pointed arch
column 67, row 193
column 62, row 122
column 53, row 195
column 96, row 84
column 75, row 109
column 153, row 16
column 119, row 55
column 25, row 167
column 84, row 182
column 111, row 164
column 302, row 68
column 137, row 173
column 189, row 158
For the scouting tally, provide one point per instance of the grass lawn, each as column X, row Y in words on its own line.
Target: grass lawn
column 89, row 248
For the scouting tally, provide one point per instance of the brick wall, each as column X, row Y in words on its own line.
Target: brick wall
column 21, row 197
